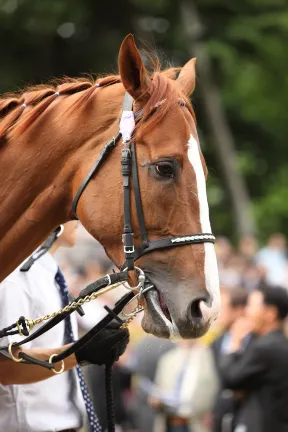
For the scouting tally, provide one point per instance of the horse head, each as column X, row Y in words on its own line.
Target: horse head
column 50, row 138
column 172, row 182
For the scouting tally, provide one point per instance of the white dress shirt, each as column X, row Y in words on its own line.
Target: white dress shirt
column 50, row 405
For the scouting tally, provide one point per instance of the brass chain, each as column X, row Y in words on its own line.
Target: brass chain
column 71, row 306
column 135, row 311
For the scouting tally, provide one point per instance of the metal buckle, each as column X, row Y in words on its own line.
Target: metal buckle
column 125, row 152
column 129, row 249
column 61, row 229
column 109, row 279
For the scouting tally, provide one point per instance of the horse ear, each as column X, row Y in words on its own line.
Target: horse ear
column 132, row 70
column 187, row 77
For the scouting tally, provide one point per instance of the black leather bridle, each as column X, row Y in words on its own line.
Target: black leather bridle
column 129, row 169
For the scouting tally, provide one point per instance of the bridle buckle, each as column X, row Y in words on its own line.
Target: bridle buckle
column 129, row 249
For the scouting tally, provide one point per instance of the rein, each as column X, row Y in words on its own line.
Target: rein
column 129, row 172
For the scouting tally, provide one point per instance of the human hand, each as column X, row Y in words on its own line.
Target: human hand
column 154, row 402
column 207, row 420
column 106, row 347
column 238, row 331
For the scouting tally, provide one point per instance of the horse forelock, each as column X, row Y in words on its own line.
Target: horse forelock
column 161, row 95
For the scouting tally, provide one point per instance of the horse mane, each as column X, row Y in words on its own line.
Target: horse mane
column 18, row 111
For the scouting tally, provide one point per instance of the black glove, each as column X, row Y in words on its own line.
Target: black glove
column 106, row 347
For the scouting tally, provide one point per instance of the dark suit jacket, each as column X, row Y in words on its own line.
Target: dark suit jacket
column 262, row 373
column 224, row 407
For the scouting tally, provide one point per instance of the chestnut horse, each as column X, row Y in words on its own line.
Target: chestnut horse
column 50, row 136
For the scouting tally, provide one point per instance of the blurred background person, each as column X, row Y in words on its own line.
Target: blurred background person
column 224, row 250
column 145, row 357
column 258, row 373
column 248, row 247
column 185, row 388
column 273, row 258
column 231, row 274
column 232, row 308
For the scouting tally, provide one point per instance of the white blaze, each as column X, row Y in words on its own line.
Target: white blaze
column 210, row 265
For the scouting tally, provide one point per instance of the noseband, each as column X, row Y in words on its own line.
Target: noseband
column 130, row 170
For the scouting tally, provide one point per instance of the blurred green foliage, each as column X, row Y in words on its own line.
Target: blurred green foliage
column 247, row 41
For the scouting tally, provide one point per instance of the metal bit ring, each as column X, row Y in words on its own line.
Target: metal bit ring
column 141, row 280
column 138, row 297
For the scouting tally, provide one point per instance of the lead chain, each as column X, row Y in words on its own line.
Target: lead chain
column 71, row 306
column 137, row 309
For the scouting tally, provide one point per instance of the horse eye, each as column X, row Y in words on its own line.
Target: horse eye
column 165, row 169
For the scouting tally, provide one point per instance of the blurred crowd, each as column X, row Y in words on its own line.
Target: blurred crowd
column 164, row 386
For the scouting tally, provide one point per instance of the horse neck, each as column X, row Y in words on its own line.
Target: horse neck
column 40, row 177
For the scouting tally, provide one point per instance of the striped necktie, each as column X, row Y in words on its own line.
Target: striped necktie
column 69, row 337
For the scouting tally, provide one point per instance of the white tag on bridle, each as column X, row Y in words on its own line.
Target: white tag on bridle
column 127, row 125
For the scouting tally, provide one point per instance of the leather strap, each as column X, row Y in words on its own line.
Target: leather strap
column 138, row 200
column 70, row 430
column 93, row 287
column 96, row 329
column 103, row 155
column 127, row 102
column 33, row 360
column 128, row 236
column 174, row 241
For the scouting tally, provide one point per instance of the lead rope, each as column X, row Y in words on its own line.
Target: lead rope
column 110, row 405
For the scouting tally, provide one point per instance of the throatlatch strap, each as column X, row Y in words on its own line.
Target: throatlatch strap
column 104, row 153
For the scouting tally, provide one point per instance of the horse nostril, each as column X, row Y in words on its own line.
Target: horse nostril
column 195, row 310
column 195, row 307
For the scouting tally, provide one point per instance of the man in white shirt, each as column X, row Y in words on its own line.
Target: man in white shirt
column 54, row 404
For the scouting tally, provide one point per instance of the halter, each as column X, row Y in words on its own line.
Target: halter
column 130, row 170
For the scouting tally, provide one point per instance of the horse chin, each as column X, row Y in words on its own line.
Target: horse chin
column 158, row 320
column 155, row 320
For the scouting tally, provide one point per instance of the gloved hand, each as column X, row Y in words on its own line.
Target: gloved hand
column 106, row 347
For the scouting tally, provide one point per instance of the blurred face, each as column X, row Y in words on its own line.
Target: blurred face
column 69, row 235
column 223, row 249
column 228, row 314
column 277, row 241
column 256, row 312
column 248, row 246
column 237, row 262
